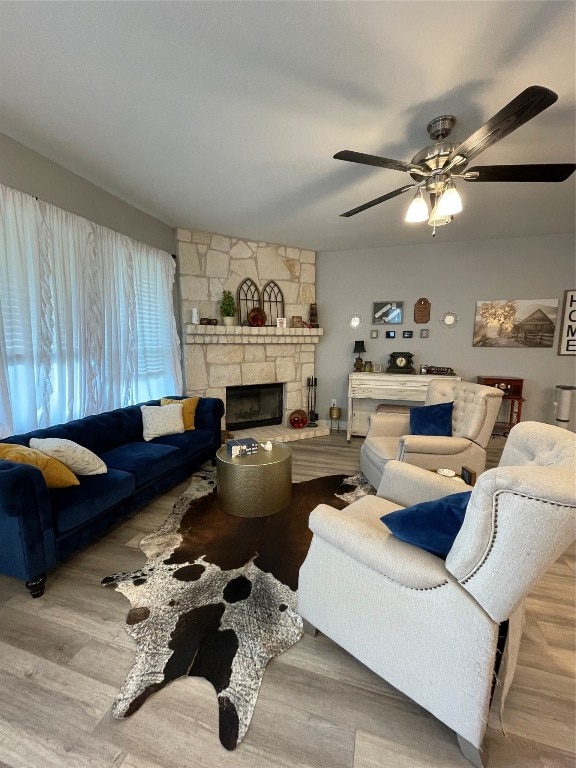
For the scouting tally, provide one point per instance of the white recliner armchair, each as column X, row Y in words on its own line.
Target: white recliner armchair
column 430, row 627
column 473, row 418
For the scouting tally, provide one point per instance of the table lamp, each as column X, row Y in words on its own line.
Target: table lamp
column 359, row 349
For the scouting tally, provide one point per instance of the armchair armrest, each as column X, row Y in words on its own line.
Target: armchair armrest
column 406, row 484
column 25, row 521
column 432, row 444
column 389, row 424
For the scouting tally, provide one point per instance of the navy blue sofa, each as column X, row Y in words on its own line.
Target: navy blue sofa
column 40, row 527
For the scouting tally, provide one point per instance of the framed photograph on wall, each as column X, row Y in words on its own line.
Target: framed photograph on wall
column 567, row 337
column 386, row 312
column 519, row 323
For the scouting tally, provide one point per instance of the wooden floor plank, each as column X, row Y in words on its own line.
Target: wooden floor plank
column 64, row 657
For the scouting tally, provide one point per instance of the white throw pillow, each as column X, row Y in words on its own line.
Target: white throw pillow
column 159, row 420
column 77, row 458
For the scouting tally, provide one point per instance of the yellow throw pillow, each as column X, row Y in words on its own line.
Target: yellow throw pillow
column 188, row 409
column 56, row 474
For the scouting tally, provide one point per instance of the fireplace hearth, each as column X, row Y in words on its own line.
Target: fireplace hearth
column 254, row 405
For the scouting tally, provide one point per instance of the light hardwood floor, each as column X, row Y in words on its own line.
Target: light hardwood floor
column 64, row 656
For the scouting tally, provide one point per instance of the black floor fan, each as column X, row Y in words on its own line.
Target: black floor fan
column 311, row 383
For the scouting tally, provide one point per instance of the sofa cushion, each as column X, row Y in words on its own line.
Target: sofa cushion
column 78, row 459
column 76, row 506
column 189, row 405
column 431, row 525
column 432, row 420
column 56, row 474
column 161, row 420
column 191, row 442
column 146, row 461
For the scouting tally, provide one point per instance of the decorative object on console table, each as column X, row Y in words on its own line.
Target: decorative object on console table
column 359, row 349
column 297, row 321
column 281, row 322
column 438, row 370
column 400, row 362
column 511, row 401
column 422, row 311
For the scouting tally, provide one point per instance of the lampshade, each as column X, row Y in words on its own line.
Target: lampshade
column 418, row 209
column 359, row 347
column 450, row 202
column 436, row 220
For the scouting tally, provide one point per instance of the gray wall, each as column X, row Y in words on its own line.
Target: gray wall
column 452, row 276
column 27, row 171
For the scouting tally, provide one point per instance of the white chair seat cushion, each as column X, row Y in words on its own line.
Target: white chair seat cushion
column 359, row 532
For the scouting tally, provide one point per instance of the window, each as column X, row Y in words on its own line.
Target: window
column 86, row 317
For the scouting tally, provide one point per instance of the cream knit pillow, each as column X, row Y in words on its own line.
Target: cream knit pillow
column 159, row 420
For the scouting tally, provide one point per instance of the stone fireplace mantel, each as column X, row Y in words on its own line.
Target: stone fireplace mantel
column 241, row 334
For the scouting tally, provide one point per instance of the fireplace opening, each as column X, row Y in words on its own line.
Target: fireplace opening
column 254, row 405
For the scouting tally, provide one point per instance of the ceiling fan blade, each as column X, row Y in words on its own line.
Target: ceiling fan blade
column 380, row 162
column 378, row 200
column 524, row 107
column 545, row 172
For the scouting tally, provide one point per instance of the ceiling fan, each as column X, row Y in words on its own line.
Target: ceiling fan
column 435, row 167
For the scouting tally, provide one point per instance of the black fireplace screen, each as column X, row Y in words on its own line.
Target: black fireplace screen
column 254, row 405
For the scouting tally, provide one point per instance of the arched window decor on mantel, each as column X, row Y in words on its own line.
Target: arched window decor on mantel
column 273, row 302
column 248, row 297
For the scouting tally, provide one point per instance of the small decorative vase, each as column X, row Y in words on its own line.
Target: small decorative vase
column 229, row 320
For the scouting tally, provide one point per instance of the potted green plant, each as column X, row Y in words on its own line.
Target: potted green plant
column 227, row 308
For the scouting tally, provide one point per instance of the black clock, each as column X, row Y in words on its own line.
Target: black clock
column 400, row 362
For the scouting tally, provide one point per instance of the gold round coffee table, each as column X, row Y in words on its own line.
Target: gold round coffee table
column 255, row 485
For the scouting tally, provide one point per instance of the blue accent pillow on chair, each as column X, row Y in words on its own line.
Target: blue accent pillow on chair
column 432, row 420
column 432, row 525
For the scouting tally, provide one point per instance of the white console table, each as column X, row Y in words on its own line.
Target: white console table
column 384, row 387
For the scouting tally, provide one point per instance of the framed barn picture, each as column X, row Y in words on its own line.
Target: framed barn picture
column 520, row 323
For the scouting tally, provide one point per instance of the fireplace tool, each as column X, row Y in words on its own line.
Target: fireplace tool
column 311, row 383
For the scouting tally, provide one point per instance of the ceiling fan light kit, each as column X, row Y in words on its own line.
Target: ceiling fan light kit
column 435, row 167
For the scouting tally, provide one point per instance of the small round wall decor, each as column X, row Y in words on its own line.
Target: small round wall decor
column 449, row 319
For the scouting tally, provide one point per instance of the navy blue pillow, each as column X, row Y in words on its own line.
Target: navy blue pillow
column 432, row 525
column 432, row 420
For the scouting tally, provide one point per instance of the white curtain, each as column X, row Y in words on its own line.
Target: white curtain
column 86, row 317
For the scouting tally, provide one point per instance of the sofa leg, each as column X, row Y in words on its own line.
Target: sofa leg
column 473, row 754
column 309, row 629
column 36, row 586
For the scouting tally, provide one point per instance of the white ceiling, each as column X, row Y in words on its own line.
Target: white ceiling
column 224, row 116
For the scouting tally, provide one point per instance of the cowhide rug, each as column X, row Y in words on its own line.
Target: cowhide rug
column 217, row 597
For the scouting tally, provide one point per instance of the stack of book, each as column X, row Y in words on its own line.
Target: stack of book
column 243, row 446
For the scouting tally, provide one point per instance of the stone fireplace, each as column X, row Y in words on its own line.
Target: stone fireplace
column 218, row 356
